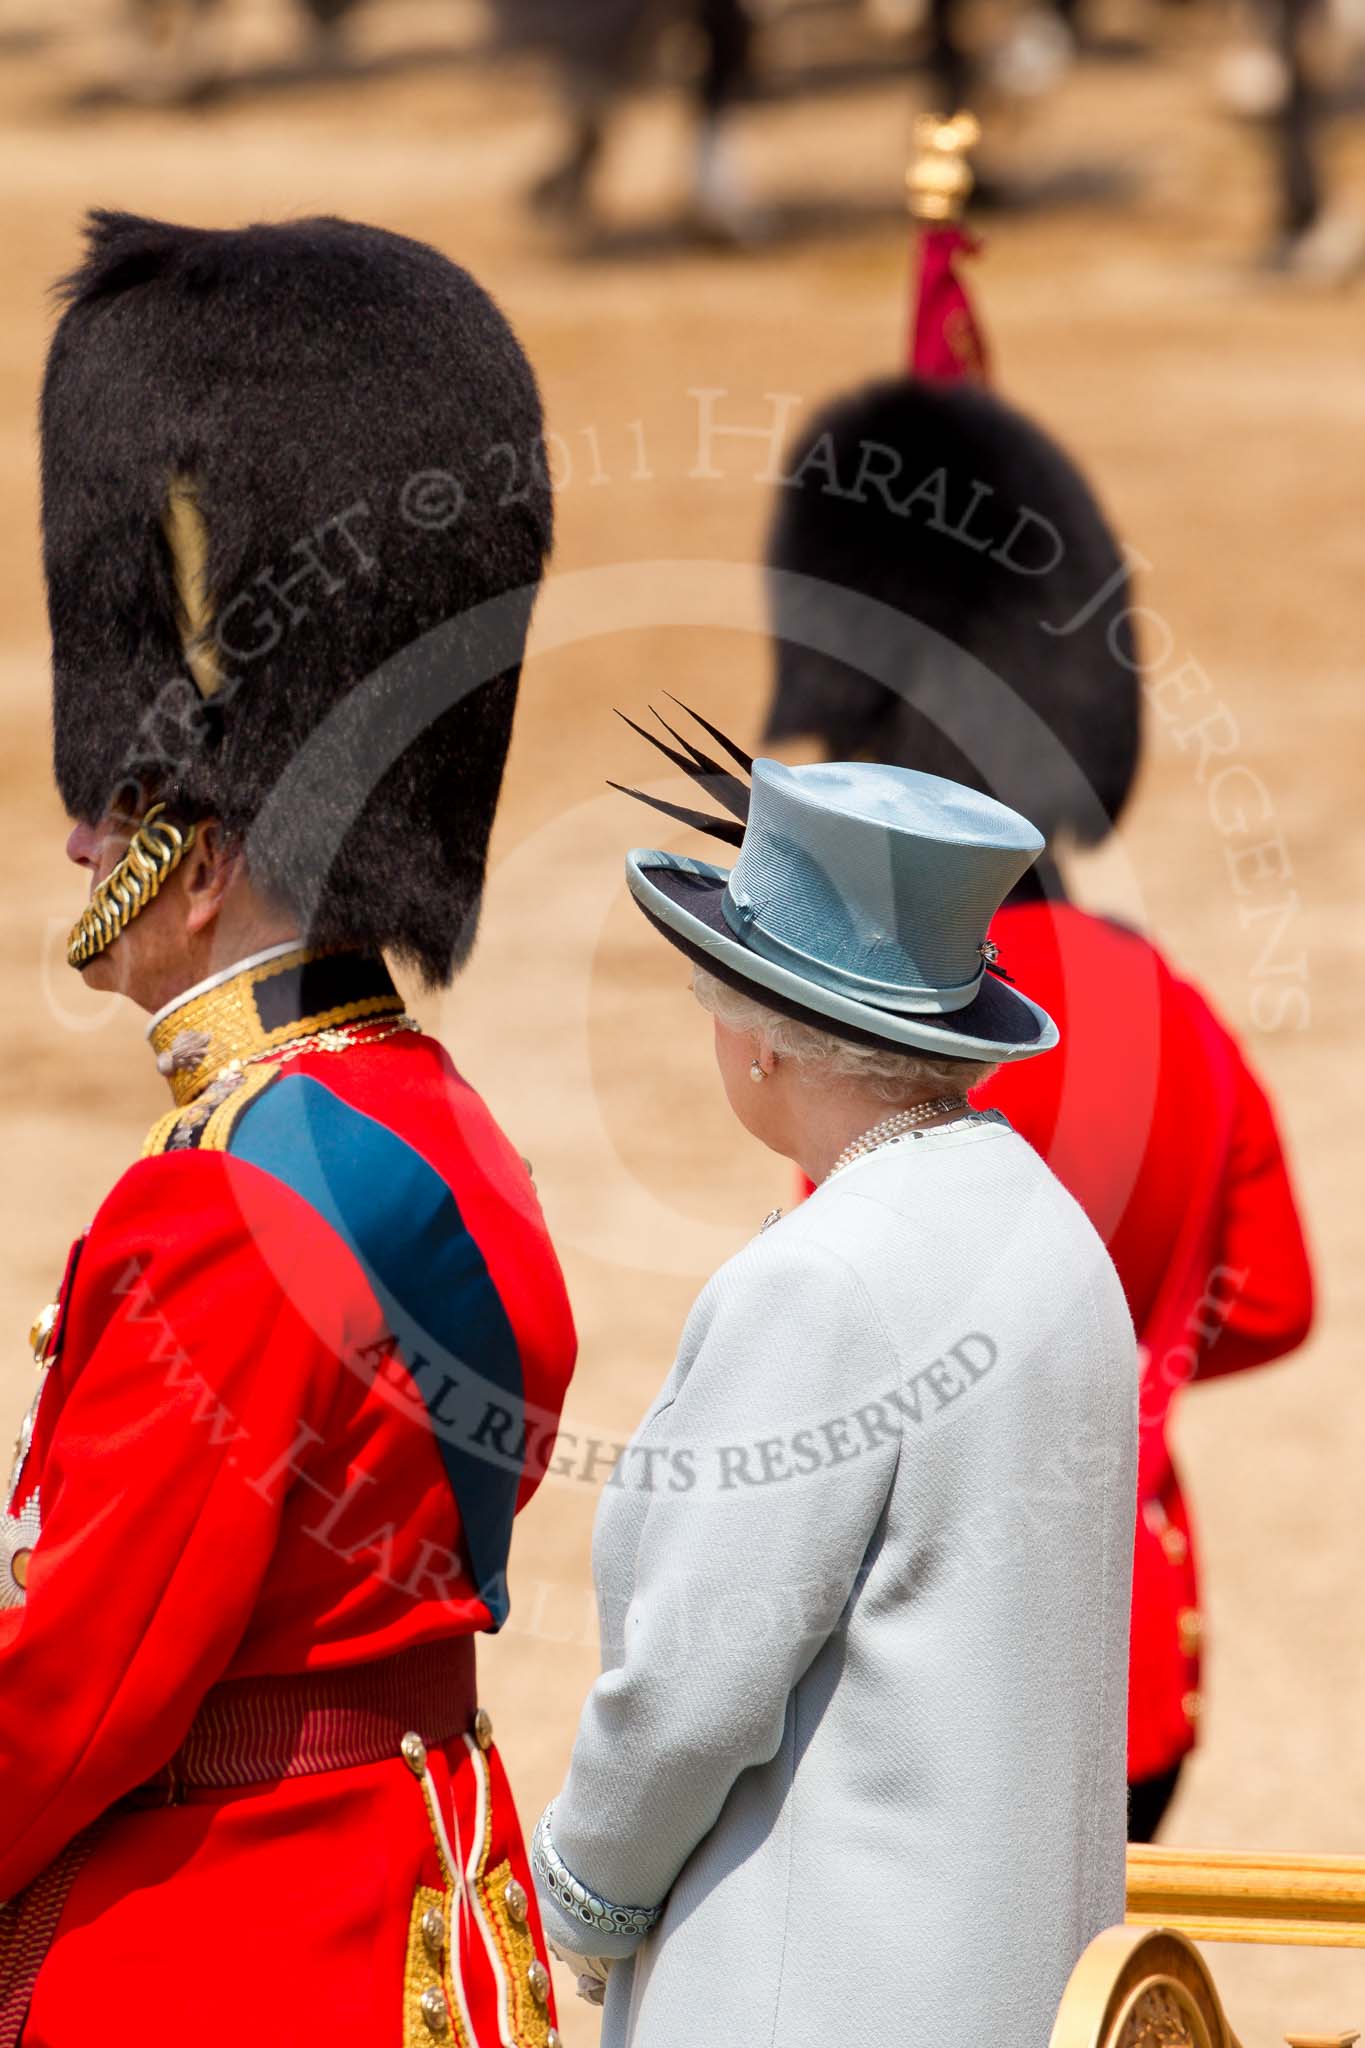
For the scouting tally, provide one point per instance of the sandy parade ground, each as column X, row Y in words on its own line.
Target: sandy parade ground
column 1221, row 410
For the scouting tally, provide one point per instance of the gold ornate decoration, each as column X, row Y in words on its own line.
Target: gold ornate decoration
column 500, row 1894
column 155, row 851
column 939, row 182
column 208, row 1036
column 187, row 537
column 1219, row 1895
column 1141, row 1988
column 42, row 1341
column 20, row 1543
column 1147, row 1986
column 209, row 1122
column 1163, row 2016
column 433, row 1997
column 426, row 2010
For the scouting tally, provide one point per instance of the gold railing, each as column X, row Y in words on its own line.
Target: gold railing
column 1145, row 1985
column 1221, row 1895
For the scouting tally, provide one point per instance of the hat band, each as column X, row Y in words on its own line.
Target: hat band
column 863, row 988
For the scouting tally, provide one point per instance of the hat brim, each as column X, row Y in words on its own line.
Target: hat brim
column 682, row 900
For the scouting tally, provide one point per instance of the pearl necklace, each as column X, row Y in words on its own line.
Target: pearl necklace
column 893, row 1127
column 900, row 1125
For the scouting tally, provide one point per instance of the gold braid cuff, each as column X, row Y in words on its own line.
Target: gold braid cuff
column 155, row 851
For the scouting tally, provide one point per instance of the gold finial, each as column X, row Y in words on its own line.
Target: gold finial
column 940, row 180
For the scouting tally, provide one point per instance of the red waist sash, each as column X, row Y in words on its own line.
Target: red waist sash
column 251, row 1732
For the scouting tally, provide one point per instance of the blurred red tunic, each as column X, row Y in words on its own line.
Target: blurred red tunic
column 301, row 1386
column 1150, row 1115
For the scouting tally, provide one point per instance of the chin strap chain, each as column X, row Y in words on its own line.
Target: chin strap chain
column 154, row 852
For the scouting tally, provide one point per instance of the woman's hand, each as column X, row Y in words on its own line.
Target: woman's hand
column 592, row 1973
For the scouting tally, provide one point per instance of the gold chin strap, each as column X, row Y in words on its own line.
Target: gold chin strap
column 155, row 851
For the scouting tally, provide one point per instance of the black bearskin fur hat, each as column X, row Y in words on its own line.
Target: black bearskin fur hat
column 983, row 655
column 296, row 511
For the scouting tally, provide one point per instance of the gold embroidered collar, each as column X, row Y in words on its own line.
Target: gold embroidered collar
column 262, row 1004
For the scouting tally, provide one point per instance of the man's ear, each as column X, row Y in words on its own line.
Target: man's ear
column 209, row 870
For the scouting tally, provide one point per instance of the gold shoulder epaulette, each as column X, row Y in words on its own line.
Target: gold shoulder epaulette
column 207, row 1123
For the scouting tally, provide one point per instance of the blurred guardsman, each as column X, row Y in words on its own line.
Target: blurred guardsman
column 176, row 52
column 947, row 595
column 597, row 47
column 306, row 1362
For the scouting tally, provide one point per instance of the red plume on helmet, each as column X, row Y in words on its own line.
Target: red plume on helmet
column 946, row 342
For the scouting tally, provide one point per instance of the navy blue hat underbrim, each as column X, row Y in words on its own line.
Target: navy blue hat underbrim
column 682, row 900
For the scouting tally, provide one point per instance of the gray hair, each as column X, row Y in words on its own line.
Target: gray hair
column 885, row 1075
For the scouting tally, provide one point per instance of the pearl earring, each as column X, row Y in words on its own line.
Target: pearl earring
column 756, row 1072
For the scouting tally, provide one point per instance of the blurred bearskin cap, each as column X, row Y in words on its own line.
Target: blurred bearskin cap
column 296, row 510
column 983, row 655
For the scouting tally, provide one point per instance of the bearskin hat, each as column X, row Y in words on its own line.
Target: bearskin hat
column 947, row 595
column 296, row 511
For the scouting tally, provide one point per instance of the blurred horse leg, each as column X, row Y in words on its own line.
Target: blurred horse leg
column 163, row 21
column 592, row 45
column 727, row 69
column 1298, row 123
column 170, row 55
column 721, row 205
column 950, row 70
column 326, row 21
column 565, row 187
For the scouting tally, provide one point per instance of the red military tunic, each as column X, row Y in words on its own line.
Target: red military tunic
column 308, row 1365
column 1150, row 1115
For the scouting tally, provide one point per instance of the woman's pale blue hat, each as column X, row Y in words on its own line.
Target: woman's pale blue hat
column 860, row 900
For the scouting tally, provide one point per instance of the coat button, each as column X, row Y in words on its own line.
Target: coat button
column 433, row 2006
column 1174, row 1544
column 414, row 1754
column 434, row 1932
column 538, row 1977
column 483, row 1728
column 514, row 1898
column 1191, row 1629
column 1193, row 1704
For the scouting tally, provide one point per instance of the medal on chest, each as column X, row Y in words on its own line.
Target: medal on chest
column 18, row 1536
column 21, row 1527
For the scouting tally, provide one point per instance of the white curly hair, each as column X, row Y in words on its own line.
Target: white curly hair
column 885, row 1076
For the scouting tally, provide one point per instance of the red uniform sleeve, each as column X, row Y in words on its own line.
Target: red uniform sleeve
column 184, row 1348
column 1264, row 1286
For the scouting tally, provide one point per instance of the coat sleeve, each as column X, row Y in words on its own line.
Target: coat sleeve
column 737, row 1580
column 1262, row 1287
column 188, row 1364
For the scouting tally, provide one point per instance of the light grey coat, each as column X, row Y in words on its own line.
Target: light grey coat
column 863, row 1579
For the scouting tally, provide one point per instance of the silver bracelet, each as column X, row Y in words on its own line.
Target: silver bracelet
column 581, row 1904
